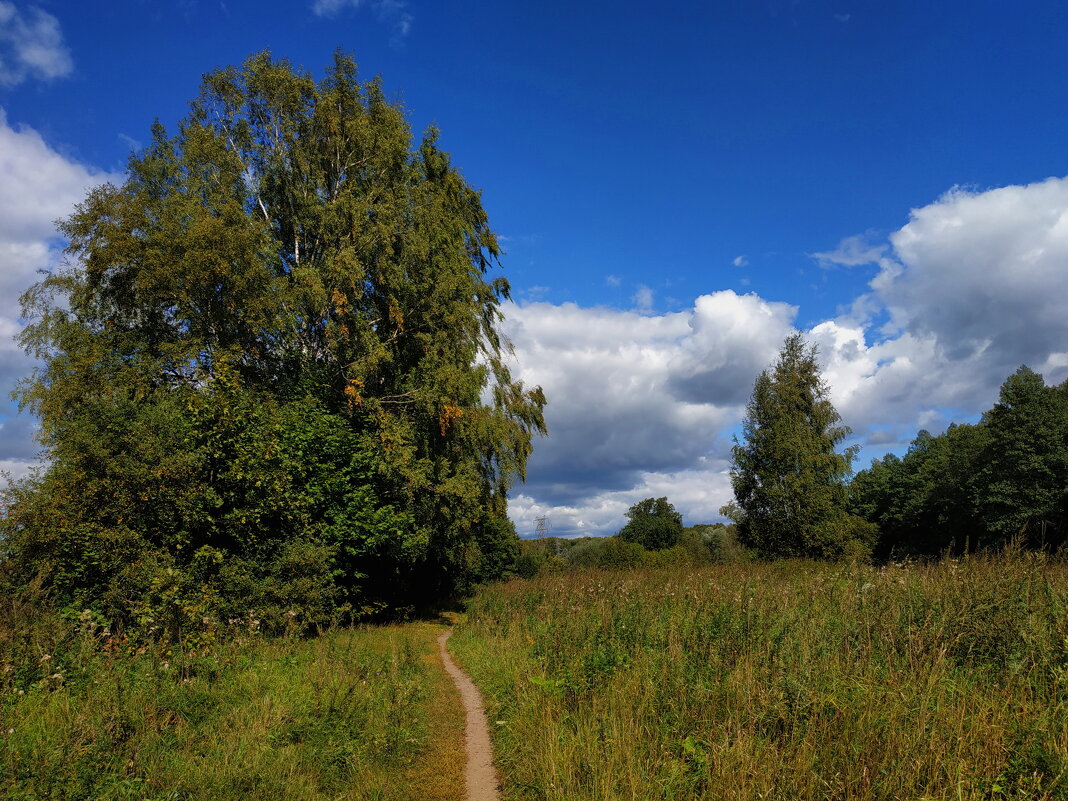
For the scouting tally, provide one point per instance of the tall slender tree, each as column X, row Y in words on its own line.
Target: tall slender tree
column 788, row 475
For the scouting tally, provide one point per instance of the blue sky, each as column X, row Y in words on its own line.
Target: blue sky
column 678, row 185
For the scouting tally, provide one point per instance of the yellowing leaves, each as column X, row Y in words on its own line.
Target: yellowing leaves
column 396, row 316
column 352, row 390
column 448, row 414
column 341, row 302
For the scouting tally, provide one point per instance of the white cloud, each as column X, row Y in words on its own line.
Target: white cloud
column 613, row 280
column 643, row 298
column 692, row 492
column 638, row 404
column 984, row 274
column 393, row 13
column 37, row 186
column 643, row 405
column 31, row 45
column 853, row 251
column 740, row 261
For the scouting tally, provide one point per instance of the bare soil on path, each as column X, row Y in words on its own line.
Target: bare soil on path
column 480, row 775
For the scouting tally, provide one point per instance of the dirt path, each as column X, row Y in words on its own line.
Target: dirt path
column 480, row 775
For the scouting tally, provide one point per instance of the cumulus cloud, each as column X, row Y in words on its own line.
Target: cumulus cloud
column 643, row 405
column 31, row 46
column 37, row 186
column 984, row 274
column 639, row 403
column 692, row 491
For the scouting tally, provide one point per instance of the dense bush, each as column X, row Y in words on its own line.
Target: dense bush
column 696, row 545
column 653, row 523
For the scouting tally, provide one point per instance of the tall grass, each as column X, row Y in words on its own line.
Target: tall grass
column 779, row 681
column 354, row 714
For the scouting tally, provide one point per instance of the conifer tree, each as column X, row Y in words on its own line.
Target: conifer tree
column 788, row 476
column 1024, row 476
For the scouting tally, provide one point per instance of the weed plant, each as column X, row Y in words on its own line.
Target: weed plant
column 88, row 715
column 791, row 680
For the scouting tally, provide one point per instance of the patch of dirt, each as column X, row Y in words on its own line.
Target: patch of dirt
column 480, row 775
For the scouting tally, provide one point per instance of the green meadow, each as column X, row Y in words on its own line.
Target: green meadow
column 788, row 680
column 362, row 713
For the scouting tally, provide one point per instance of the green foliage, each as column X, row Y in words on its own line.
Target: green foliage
column 696, row 545
column 88, row 714
column 274, row 367
column 722, row 544
column 1025, row 478
column 979, row 485
column 783, row 680
column 788, row 477
column 653, row 523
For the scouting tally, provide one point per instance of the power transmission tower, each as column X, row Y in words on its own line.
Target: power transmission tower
column 543, row 526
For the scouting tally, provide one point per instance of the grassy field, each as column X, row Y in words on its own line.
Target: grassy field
column 355, row 714
column 778, row 681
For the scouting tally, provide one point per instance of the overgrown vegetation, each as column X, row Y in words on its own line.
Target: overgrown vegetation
column 272, row 382
column 789, row 680
column 86, row 713
column 696, row 545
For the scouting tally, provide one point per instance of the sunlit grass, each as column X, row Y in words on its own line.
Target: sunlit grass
column 353, row 714
column 781, row 681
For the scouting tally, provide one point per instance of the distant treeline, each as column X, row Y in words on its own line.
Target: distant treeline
column 975, row 486
column 715, row 543
column 1001, row 481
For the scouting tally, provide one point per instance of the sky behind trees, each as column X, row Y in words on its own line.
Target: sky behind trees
column 678, row 187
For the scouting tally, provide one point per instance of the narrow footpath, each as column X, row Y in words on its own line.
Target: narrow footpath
column 480, row 776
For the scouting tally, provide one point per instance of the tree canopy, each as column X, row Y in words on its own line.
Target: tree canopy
column 653, row 523
column 788, row 476
column 273, row 368
column 1004, row 478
